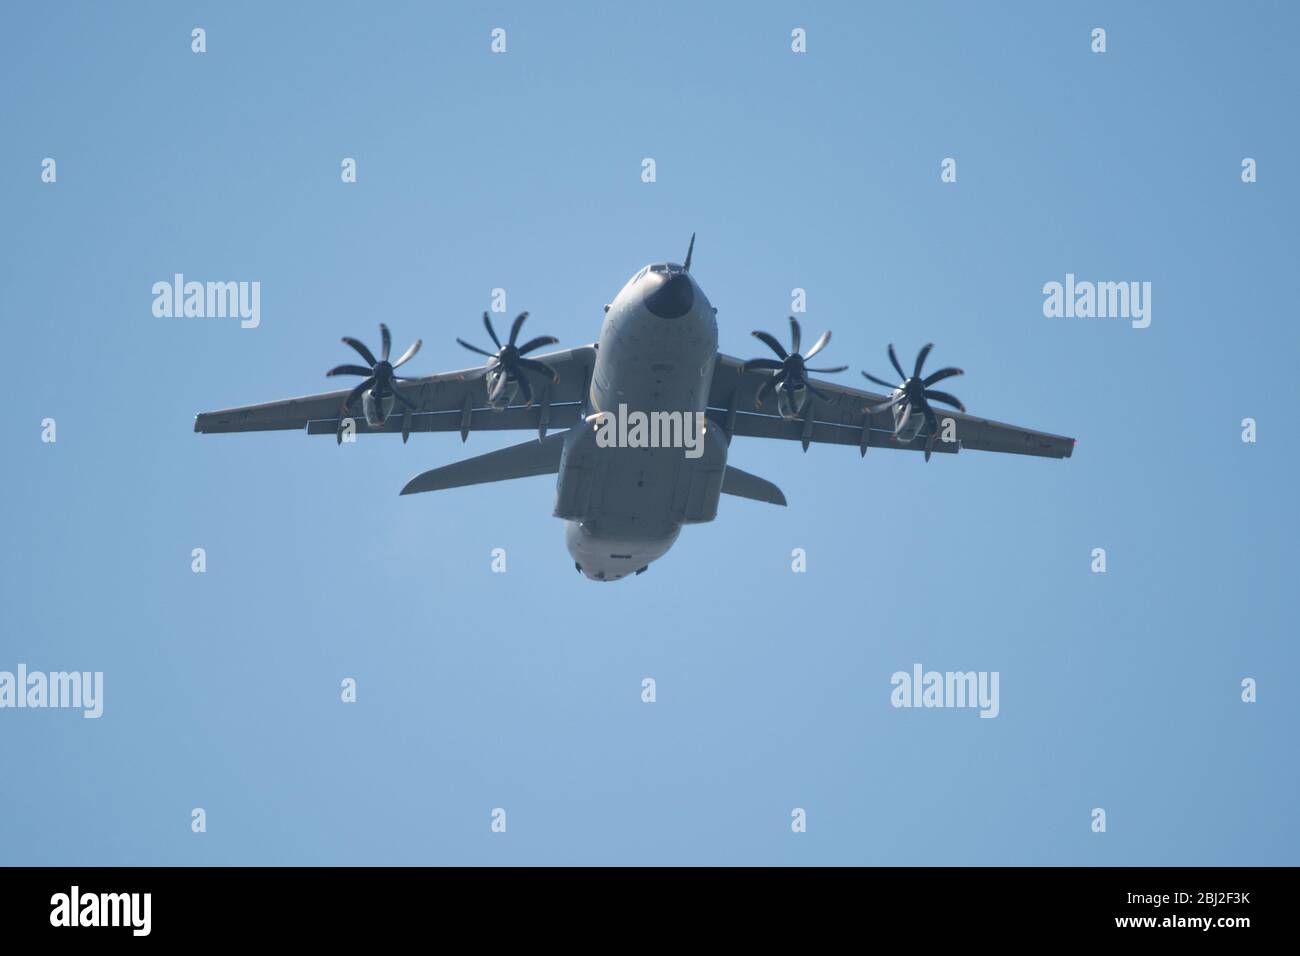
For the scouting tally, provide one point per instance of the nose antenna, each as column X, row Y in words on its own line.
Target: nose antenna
column 686, row 266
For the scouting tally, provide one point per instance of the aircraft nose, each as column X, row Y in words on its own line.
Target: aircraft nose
column 669, row 296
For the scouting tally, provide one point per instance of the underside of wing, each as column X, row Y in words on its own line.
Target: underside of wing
column 846, row 419
column 448, row 401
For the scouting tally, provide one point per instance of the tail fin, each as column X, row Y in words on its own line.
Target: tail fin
column 744, row 485
column 518, row 461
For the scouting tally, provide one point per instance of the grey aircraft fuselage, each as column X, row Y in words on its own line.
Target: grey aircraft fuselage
column 624, row 507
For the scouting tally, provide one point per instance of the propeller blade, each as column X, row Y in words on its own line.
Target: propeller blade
column 820, row 344
column 773, row 344
column 690, row 250
column 348, row 370
column 907, row 417
column 947, row 399
column 885, row 406
column 537, row 343
column 763, row 389
column 492, row 333
column 409, row 353
column 473, row 375
column 879, row 381
column 940, row 375
column 796, row 335
column 356, row 393
column 921, row 356
column 364, row 352
column 387, row 339
column 525, row 389
column 498, row 386
column 475, row 348
column 403, row 399
column 540, row 367
column 828, row 371
column 770, row 364
column 893, row 357
column 933, row 425
column 819, row 393
column 516, row 326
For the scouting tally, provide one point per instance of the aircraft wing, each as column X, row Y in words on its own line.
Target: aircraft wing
column 844, row 421
column 448, row 401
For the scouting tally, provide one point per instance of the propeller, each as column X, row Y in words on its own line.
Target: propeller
column 792, row 369
column 915, row 394
column 510, row 359
column 379, row 375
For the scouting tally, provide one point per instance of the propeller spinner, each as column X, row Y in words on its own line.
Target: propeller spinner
column 914, row 394
column 791, row 372
column 379, row 376
column 508, row 364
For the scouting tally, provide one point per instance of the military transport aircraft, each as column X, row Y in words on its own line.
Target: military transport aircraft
column 624, row 503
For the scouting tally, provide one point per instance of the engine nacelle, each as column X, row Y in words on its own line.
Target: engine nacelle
column 790, row 402
column 914, row 424
column 509, row 391
column 377, row 409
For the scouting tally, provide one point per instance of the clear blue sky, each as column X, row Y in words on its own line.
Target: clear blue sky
column 522, row 690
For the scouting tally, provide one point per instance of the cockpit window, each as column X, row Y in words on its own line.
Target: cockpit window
column 659, row 268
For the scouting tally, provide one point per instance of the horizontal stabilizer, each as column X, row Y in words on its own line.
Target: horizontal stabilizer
column 744, row 485
column 518, row 461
